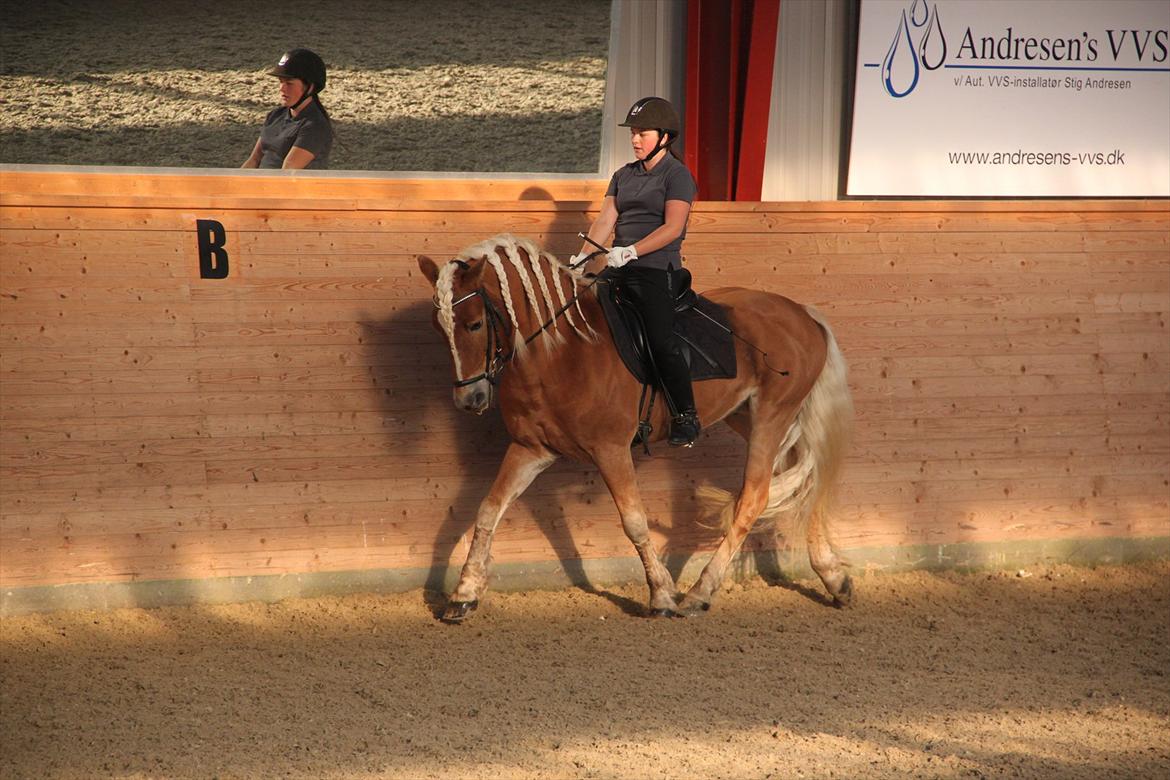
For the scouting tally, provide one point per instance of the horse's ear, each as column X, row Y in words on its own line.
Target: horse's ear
column 429, row 269
column 473, row 276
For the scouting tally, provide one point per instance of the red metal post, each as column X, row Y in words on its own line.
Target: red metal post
column 709, row 100
column 730, row 52
column 757, row 100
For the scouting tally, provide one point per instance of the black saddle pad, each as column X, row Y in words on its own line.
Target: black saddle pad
column 711, row 347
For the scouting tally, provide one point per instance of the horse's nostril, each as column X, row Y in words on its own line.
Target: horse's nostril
column 478, row 398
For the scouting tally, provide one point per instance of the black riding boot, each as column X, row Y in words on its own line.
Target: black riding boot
column 684, row 422
column 684, row 428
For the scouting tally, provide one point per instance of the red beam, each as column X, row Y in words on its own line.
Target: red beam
column 709, row 101
column 731, row 48
column 757, row 100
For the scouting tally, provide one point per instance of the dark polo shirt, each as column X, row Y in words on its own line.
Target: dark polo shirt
column 311, row 131
column 641, row 197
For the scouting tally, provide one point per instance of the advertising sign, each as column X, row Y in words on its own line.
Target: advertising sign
column 1012, row 98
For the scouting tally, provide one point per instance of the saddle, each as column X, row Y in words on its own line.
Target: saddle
column 702, row 328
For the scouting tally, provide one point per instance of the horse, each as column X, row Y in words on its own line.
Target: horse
column 528, row 332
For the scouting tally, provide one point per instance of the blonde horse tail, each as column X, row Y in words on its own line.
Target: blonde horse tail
column 807, row 469
column 810, row 457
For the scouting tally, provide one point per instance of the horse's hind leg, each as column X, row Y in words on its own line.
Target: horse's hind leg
column 521, row 465
column 763, row 445
column 617, row 469
column 827, row 564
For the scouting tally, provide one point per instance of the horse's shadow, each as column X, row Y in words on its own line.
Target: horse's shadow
column 570, row 555
column 478, row 444
column 402, row 379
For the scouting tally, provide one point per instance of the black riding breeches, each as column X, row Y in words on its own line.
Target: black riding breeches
column 652, row 292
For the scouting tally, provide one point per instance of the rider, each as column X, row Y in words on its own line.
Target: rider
column 647, row 205
column 297, row 133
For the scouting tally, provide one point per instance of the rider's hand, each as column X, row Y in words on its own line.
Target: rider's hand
column 620, row 255
column 578, row 258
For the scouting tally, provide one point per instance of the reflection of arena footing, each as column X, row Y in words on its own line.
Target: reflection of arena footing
column 777, row 568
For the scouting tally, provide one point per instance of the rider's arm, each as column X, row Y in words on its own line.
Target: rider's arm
column 253, row 160
column 603, row 226
column 298, row 158
column 601, row 229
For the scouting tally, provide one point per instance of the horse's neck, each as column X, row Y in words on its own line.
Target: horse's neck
column 535, row 299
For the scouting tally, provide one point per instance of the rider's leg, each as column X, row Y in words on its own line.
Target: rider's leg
column 650, row 289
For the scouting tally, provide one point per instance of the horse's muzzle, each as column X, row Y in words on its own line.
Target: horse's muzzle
column 474, row 398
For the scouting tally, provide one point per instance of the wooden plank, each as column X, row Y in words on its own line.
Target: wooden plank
column 65, row 264
column 281, row 214
column 914, row 450
column 153, row 184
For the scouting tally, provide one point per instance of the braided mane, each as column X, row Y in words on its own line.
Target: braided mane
column 515, row 251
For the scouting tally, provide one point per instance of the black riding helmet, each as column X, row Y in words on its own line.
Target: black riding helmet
column 656, row 113
column 305, row 65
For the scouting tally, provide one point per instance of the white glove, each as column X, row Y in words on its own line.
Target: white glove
column 578, row 258
column 620, row 255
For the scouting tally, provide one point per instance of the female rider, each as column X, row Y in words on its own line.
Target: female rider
column 647, row 206
column 298, row 133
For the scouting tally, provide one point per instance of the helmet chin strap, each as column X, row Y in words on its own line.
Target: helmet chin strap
column 308, row 94
column 658, row 147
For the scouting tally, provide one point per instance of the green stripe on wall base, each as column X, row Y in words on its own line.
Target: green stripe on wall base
column 547, row 575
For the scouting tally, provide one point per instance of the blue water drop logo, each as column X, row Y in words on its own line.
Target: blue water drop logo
column 900, row 60
column 904, row 61
column 933, row 38
column 919, row 12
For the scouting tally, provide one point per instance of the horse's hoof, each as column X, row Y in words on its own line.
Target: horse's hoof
column 665, row 612
column 690, row 607
column 457, row 611
column 844, row 596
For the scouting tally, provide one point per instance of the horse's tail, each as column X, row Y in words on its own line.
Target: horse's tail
column 810, row 458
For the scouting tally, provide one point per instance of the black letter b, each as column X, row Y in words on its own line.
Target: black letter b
column 213, row 258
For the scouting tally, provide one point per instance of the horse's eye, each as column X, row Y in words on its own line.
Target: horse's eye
column 474, row 326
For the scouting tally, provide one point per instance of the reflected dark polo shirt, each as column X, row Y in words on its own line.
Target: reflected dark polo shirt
column 310, row 131
column 641, row 198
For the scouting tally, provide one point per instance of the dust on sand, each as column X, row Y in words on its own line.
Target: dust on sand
column 1061, row 672
column 441, row 85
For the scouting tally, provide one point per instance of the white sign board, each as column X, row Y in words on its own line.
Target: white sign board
column 1012, row 98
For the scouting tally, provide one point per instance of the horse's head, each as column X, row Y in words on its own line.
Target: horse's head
column 473, row 327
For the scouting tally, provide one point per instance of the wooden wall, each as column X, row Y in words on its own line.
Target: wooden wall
column 1009, row 363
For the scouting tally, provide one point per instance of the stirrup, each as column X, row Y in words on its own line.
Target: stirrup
column 684, row 429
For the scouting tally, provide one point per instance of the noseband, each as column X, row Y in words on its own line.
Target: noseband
column 494, row 357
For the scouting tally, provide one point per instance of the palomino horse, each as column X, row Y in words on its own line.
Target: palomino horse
column 524, row 328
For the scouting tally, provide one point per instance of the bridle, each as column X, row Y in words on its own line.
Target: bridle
column 494, row 357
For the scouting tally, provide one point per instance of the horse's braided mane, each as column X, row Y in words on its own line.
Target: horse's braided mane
column 511, row 247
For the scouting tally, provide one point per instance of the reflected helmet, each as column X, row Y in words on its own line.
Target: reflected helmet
column 653, row 112
column 301, row 64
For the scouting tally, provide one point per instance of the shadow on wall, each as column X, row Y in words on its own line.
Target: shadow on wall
column 486, row 143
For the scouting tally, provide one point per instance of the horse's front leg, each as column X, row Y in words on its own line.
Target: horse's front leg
column 521, row 465
column 617, row 469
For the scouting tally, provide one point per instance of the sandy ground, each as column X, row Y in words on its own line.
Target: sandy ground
column 443, row 85
column 1061, row 672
